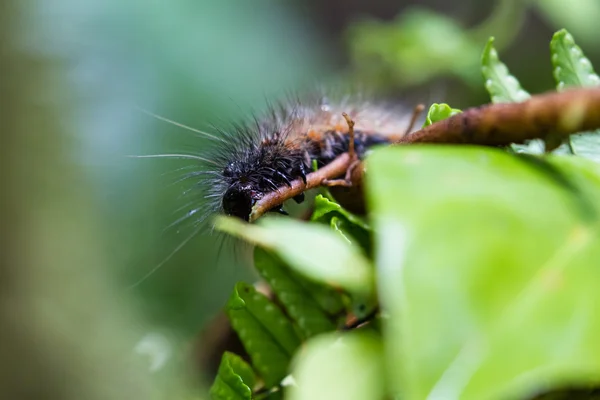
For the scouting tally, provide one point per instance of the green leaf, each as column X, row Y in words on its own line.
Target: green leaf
column 584, row 177
column 267, row 335
column 324, row 207
column 298, row 300
column 330, row 300
column 438, row 112
column 500, row 84
column 356, row 232
column 350, row 227
column 503, row 87
column 487, row 272
column 235, row 379
column 586, row 144
column 573, row 69
column 340, row 366
column 311, row 249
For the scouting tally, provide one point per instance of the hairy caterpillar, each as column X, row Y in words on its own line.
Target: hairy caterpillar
column 275, row 148
column 251, row 159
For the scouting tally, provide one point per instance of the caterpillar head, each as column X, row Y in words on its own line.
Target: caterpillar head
column 238, row 200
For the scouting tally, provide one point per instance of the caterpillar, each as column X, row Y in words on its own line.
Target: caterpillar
column 269, row 150
column 281, row 145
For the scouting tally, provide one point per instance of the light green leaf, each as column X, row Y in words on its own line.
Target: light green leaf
column 584, row 176
column 503, row 87
column 340, row 366
column 438, row 112
column 487, row 272
column 311, row 249
column 235, row 379
column 586, row 144
column 267, row 335
column 573, row 69
column 500, row 84
column 298, row 301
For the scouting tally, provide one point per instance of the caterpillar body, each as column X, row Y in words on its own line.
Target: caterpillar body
column 281, row 145
column 250, row 160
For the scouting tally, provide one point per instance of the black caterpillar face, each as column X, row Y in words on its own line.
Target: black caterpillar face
column 238, row 201
column 249, row 180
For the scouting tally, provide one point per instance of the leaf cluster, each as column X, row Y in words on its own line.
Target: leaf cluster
column 474, row 275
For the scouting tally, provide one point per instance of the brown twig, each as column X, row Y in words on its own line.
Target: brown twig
column 551, row 116
column 350, row 123
column 415, row 115
column 334, row 169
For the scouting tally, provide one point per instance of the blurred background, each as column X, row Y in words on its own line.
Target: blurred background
column 84, row 225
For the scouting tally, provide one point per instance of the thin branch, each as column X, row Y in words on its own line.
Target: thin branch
column 554, row 115
column 332, row 170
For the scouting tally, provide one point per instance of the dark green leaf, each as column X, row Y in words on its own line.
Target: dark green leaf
column 268, row 336
column 299, row 302
column 571, row 69
column 274, row 395
column 487, row 272
column 337, row 225
column 328, row 299
column 438, row 112
column 349, row 226
column 323, row 206
column 364, row 305
column 235, row 379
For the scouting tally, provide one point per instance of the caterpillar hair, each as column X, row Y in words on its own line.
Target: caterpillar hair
column 280, row 146
column 275, row 150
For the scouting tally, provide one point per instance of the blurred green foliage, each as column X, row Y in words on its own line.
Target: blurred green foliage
column 196, row 63
column 492, row 298
column 422, row 46
column 75, row 73
column 485, row 270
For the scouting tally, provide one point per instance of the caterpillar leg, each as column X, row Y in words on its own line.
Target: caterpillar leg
column 279, row 209
column 354, row 161
column 415, row 115
column 347, row 181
